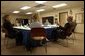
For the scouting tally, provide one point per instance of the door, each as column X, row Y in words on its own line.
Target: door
column 63, row 18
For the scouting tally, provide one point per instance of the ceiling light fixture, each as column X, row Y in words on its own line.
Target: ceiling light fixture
column 29, row 13
column 59, row 5
column 25, row 7
column 40, row 2
column 16, row 11
column 40, row 10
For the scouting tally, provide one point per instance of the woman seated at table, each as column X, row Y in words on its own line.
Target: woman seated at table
column 56, row 22
column 17, row 23
column 62, row 32
column 36, row 23
column 12, row 33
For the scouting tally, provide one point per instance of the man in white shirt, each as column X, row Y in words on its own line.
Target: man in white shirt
column 47, row 23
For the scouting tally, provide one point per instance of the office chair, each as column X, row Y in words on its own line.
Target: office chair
column 38, row 34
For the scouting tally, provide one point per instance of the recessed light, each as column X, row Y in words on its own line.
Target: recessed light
column 40, row 10
column 29, row 13
column 16, row 11
column 59, row 5
column 40, row 2
column 25, row 7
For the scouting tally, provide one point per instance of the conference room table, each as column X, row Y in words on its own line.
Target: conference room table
column 25, row 30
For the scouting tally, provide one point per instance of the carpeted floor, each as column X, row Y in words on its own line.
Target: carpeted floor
column 52, row 48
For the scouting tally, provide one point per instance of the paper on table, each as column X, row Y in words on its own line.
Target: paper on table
column 21, row 27
column 28, row 28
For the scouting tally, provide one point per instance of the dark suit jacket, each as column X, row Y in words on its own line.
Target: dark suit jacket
column 69, row 27
column 9, row 27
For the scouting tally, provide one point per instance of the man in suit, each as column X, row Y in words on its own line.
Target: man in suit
column 11, row 32
column 62, row 32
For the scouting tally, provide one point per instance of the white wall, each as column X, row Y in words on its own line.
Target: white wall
column 1, row 19
column 79, row 28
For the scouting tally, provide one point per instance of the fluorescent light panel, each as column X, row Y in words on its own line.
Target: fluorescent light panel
column 25, row 7
column 29, row 13
column 40, row 2
column 40, row 10
column 59, row 5
column 16, row 11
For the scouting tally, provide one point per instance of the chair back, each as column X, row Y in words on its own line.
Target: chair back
column 38, row 33
column 72, row 28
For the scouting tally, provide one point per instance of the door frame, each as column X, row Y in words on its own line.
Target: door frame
column 61, row 13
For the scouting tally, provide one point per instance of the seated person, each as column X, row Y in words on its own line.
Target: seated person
column 62, row 32
column 47, row 23
column 74, row 25
column 17, row 22
column 12, row 33
column 69, row 27
column 35, row 24
column 56, row 22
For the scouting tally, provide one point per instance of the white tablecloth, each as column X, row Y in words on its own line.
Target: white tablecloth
column 28, row 28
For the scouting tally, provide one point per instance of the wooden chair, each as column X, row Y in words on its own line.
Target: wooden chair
column 38, row 34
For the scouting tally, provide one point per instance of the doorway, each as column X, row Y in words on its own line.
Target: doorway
column 63, row 18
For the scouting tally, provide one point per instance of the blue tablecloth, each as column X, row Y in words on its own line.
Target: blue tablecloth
column 26, row 35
